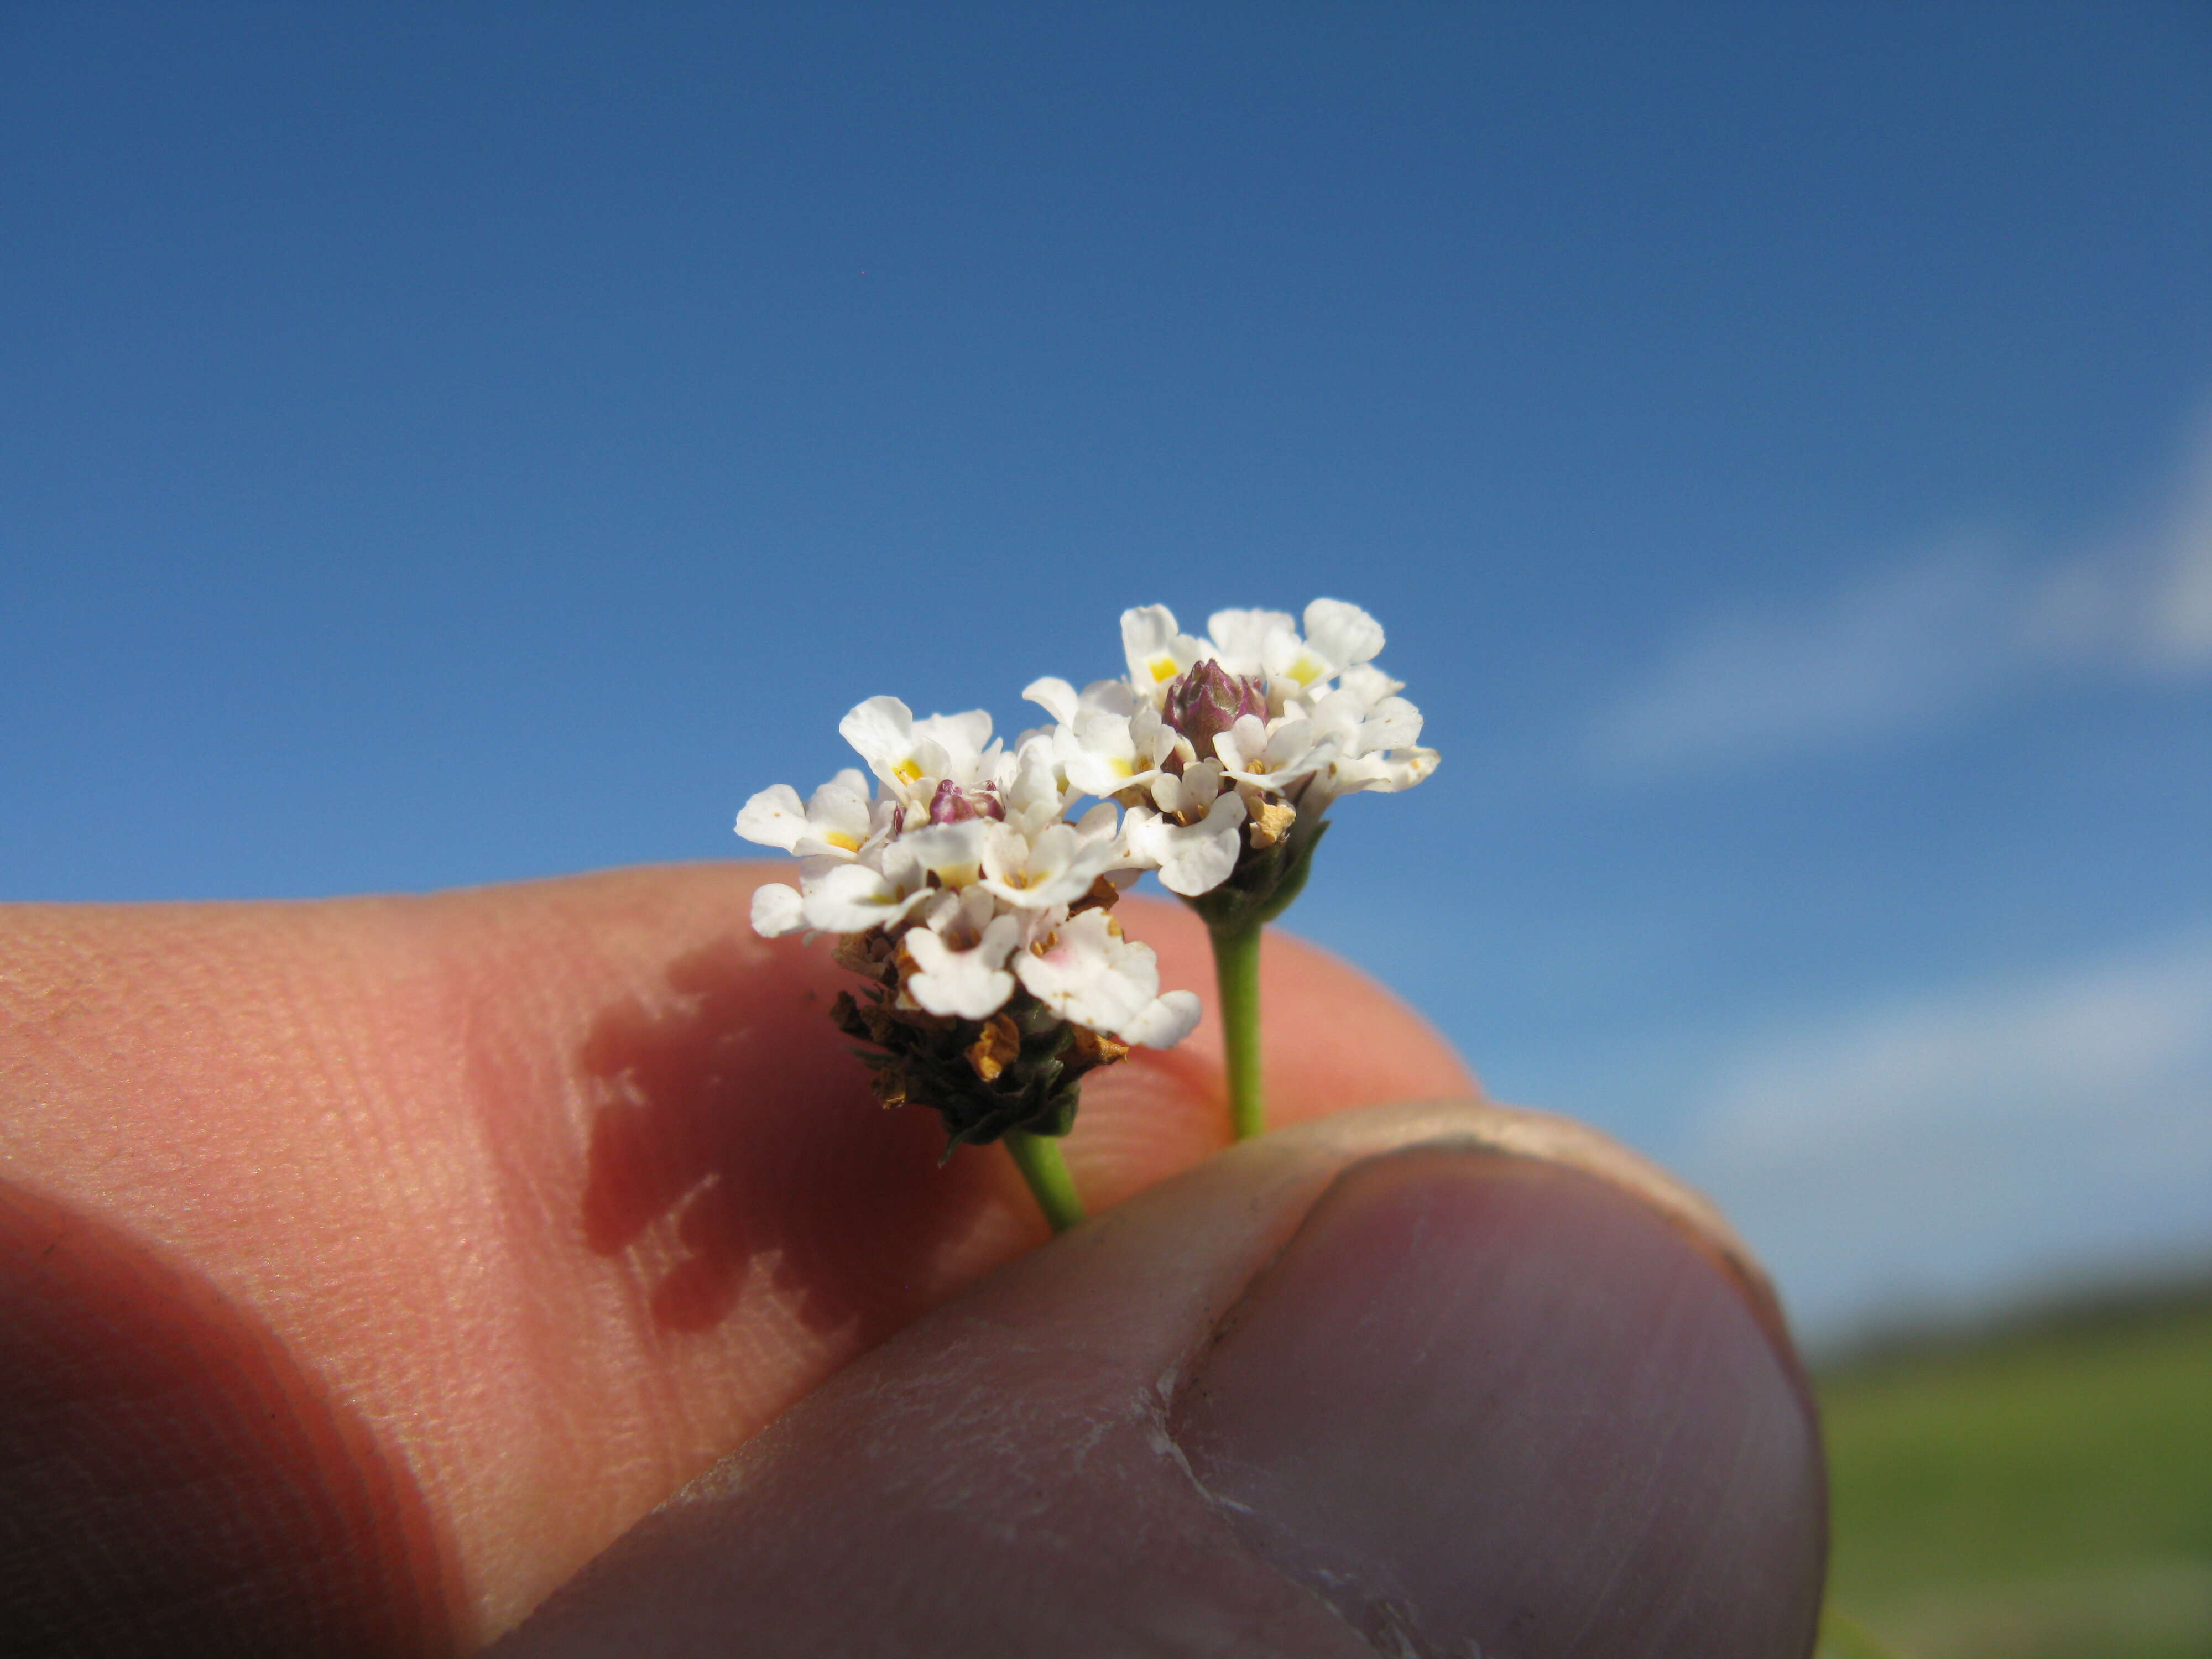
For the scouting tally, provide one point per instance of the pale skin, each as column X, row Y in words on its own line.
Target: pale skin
column 370, row 1267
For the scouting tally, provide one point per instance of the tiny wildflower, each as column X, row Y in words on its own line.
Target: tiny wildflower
column 977, row 912
column 977, row 904
column 1226, row 751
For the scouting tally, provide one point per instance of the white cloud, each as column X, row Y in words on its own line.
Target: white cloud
column 1943, row 1152
column 1927, row 638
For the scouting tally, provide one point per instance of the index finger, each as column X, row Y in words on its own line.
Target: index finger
column 506, row 1211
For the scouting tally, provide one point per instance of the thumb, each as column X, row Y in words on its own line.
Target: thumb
column 1419, row 1380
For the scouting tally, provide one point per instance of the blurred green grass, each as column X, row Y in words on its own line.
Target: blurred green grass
column 2042, row 1491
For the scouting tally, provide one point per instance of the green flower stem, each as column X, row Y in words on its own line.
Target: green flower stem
column 1237, row 971
column 1038, row 1157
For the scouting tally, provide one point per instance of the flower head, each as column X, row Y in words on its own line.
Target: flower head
column 975, row 907
column 1278, row 714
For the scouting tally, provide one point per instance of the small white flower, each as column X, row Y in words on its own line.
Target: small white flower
column 1244, row 641
column 1188, row 795
column 1089, row 973
column 1061, row 700
column 1272, row 754
column 1338, row 636
column 970, row 756
column 1056, row 866
column 1369, row 683
column 966, row 984
column 912, row 756
column 1165, row 1021
column 882, row 729
column 1191, row 857
column 777, row 910
column 1156, row 651
column 852, row 898
column 836, row 822
column 953, row 853
column 1386, row 773
column 1104, row 754
column 1370, row 745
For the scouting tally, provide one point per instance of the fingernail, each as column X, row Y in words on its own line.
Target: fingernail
column 1493, row 1405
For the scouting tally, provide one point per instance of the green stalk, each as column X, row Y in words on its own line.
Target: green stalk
column 1038, row 1157
column 1236, row 972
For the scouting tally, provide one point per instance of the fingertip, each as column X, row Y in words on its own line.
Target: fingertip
column 1378, row 1383
column 1496, row 1403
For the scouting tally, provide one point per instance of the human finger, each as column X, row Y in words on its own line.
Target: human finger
column 503, row 1212
column 1423, row 1379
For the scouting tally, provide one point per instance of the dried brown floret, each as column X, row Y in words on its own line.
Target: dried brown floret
column 889, row 1083
column 869, row 954
column 1090, row 1050
column 996, row 1049
column 1270, row 821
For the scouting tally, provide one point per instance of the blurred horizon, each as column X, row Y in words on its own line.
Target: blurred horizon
column 443, row 447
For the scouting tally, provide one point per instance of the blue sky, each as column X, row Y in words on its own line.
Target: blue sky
column 449, row 445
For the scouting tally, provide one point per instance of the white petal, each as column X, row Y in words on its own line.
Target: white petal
column 838, row 818
column 1055, row 696
column 955, row 746
column 959, row 733
column 1342, row 634
column 1057, row 867
column 1370, row 683
column 1156, row 651
column 882, row 728
column 1165, row 1021
column 1192, row 859
column 777, row 910
column 1386, row 773
column 953, row 853
column 977, row 908
column 1242, row 744
column 1089, row 976
column 854, row 898
column 773, row 818
column 881, row 731
column 1393, row 723
column 1339, row 715
column 1109, row 697
column 1101, row 821
column 1005, row 853
column 1240, row 637
column 1099, row 755
column 970, row 984
column 1036, row 790
column 1200, row 784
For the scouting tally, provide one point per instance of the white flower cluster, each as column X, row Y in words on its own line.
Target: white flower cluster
column 1227, row 747
column 977, row 902
column 964, row 860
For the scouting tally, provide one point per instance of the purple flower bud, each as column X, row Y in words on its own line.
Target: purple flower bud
column 1208, row 700
column 953, row 804
column 949, row 805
